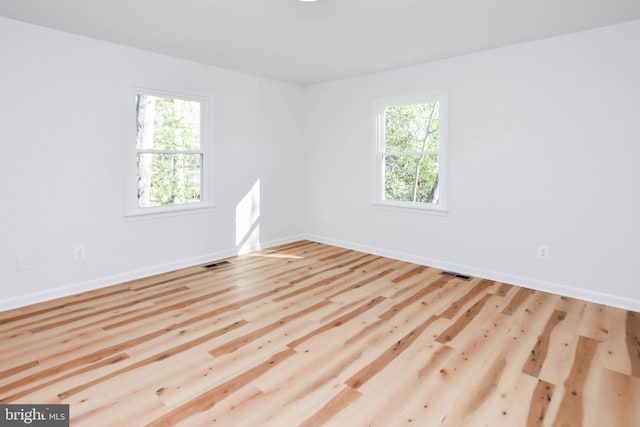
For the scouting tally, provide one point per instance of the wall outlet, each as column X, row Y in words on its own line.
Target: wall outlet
column 79, row 252
column 324, row 219
column 543, row 252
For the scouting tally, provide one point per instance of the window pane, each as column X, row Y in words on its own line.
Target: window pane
column 412, row 127
column 411, row 178
column 168, row 179
column 167, row 123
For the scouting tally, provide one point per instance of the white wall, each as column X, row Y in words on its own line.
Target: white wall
column 544, row 148
column 65, row 124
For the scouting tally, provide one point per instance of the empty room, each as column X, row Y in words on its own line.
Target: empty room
column 320, row 213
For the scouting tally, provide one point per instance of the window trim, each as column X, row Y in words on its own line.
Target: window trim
column 133, row 211
column 379, row 107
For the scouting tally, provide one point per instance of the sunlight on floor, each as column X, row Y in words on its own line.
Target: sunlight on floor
column 267, row 254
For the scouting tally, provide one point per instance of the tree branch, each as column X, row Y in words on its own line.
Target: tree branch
column 419, row 162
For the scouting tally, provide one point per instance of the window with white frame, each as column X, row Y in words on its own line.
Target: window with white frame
column 171, row 152
column 411, row 149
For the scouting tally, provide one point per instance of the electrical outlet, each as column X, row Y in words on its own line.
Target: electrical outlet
column 79, row 252
column 324, row 219
column 543, row 252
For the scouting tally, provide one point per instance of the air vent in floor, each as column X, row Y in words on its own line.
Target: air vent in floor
column 216, row 264
column 456, row 275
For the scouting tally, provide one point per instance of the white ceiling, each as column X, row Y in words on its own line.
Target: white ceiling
column 313, row 42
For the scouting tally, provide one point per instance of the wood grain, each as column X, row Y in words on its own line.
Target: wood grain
column 540, row 401
column 633, row 342
column 534, row 363
column 310, row 334
column 572, row 406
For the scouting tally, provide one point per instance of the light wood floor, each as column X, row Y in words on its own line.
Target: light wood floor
column 309, row 334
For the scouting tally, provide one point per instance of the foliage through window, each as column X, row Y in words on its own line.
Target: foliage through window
column 411, row 152
column 170, row 150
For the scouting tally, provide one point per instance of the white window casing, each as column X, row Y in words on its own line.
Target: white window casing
column 401, row 191
column 191, row 185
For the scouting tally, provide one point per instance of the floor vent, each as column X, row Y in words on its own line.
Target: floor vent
column 216, row 264
column 456, row 275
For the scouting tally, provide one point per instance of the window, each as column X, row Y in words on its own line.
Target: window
column 411, row 152
column 171, row 155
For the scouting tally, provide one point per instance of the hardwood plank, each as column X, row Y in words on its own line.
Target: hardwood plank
column 337, row 264
column 409, row 285
column 455, row 306
column 81, row 360
column 293, row 391
column 503, row 289
column 155, row 358
column 191, row 374
column 315, row 285
column 479, row 394
column 540, row 401
column 617, row 400
column 106, row 310
column 17, row 369
column 164, row 309
column 332, row 407
column 633, row 342
column 213, row 396
column 520, row 297
column 429, row 288
column 389, row 390
column 366, row 373
column 233, row 345
column 361, row 283
column 311, row 334
column 16, row 315
column 534, row 363
column 463, row 321
column 571, row 412
column 409, row 274
column 338, row 322
column 73, row 374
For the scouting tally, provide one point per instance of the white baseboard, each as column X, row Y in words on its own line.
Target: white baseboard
column 540, row 285
column 102, row 282
column 527, row 282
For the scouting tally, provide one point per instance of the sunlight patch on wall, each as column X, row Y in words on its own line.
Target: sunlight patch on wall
column 247, row 217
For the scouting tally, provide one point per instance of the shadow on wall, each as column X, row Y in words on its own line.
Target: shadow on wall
column 247, row 221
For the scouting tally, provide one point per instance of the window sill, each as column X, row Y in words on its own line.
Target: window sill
column 167, row 212
column 411, row 208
